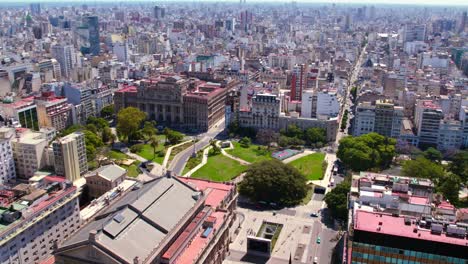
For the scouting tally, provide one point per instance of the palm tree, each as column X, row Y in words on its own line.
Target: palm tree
column 154, row 144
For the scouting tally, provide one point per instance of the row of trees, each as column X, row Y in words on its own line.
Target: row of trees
column 344, row 120
column 447, row 178
column 294, row 136
column 367, row 152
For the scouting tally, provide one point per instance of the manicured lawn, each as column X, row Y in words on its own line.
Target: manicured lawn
column 219, row 168
column 132, row 170
column 147, row 152
column 310, row 165
column 193, row 162
column 251, row 154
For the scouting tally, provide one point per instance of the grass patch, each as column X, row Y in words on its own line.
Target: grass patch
column 179, row 149
column 308, row 197
column 219, row 168
column 310, row 165
column 251, row 154
column 275, row 236
column 147, row 152
column 132, row 170
column 193, row 162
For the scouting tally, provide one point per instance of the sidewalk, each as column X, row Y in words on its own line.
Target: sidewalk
column 203, row 162
column 223, row 151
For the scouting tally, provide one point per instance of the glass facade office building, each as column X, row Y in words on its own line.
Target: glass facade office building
column 364, row 253
column 28, row 118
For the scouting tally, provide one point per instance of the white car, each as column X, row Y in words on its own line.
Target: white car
column 315, row 260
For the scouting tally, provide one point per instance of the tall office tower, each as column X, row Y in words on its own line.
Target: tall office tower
column 298, row 81
column 414, row 33
column 35, row 9
column 70, row 156
column 246, row 19
column 64, row 54
column 92, row 22
column 427, row 120
column 7, row 163
column 463, row 22
column 347, row 24
column 159, row 12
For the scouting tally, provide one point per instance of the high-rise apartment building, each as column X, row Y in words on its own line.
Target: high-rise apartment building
column 80, row 95
column 414, row 32
column 298, row 81
column 383, row 117
column 427, row 121
column 65, row 55
column 29, row 152
column 70, row 156
column 54, row 111
column 38, row 218
column 7, row 163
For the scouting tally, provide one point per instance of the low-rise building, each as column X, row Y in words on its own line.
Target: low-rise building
column 104, row 179
column 193, row 228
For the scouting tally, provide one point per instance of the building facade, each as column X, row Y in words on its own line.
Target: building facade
column 29, row 152
column 70, row 156
column 7, row 162
column 39, row 220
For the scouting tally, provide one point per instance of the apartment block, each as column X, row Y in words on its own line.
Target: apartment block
column 395, row 219
column 34, row 219
column 54, row 111
column 70, row 156
column 29, row 152
column 7, row 163
column 383, row 117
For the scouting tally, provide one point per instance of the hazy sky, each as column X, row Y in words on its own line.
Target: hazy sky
column 417, row 2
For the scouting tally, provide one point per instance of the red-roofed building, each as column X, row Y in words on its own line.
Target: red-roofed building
column 384, row 238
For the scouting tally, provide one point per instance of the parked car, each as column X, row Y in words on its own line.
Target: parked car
column 318, row 240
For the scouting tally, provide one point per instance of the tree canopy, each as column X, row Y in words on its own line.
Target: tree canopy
column 294, row 136
column 337, row 200
column 274, row 182
column 433, row 155
column 107, row 111
column 129, row 121
column 173, row 136
column 459, row 165
column 423, row 168
column 366, row 152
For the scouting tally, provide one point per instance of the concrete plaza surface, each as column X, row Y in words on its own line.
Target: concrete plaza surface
column 297, row 239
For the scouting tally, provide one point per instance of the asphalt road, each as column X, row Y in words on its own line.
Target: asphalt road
column 178, row 162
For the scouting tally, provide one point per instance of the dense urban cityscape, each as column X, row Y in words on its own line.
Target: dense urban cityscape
column 230, row 132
